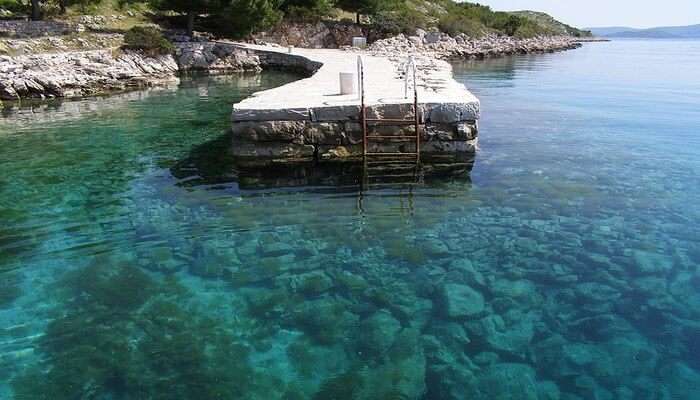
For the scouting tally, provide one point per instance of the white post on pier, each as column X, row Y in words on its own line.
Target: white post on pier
column 347, row 83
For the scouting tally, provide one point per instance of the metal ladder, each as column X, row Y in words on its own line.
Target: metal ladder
column 392, row 167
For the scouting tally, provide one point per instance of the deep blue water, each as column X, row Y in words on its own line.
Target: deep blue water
column 135, row 263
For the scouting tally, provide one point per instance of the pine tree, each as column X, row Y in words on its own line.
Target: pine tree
column 191, row 8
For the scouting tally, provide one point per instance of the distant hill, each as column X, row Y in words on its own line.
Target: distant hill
column 552, row 25
column 665, row 32
column 473, row 19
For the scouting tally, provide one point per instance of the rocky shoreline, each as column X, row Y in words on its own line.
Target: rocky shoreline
column 443, row 46
column 71, row 74
column 81, row 73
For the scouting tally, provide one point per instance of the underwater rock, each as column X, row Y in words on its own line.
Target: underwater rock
column 594, row 292
column 647, row 262
column 312, row 361
column 522, row 290
column 548, row 390
column 325, row 320
column 685, row 288
column 453, row 335
column 680, row 382
column 310, row 283
column 590, row 389
column 449, row 372
column 162, row 259
column 378, row 333
column 434, row 247
column 467, row 272
column 505, row 382
column 9, row 289
column 486, row 358
column 274, row 246
column 601, row 327
column 578, row 355
column 511, row 334
column 403, row 375
column 629, row 356
column 462, row 301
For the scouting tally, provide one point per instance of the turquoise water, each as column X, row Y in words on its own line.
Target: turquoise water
column 135, row 263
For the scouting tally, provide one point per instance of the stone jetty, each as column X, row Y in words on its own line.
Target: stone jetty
column 309, row 120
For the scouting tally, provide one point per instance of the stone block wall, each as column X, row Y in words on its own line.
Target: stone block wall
column 36, row 28
column 334, row 134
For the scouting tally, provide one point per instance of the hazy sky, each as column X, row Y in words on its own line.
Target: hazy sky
column 595, row 13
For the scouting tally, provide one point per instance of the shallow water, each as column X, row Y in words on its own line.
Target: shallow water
column 135, row 264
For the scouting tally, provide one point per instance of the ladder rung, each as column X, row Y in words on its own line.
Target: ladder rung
column 392, row 121
column 404, row 162
column 391, row 154
column 390, row 137
column 387, row 184
column 392, row 176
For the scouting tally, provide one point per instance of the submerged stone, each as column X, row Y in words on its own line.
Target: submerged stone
column 462, row 301
column 510, row 335
column 378, row 333
column 680, row 382
column 647, row 262
column 506, row 382
column 310, row 283
column 548, row 390
column 469, row 274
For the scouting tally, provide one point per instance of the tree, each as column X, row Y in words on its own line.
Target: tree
column 36, row 10
column 363, row 7
column 191, row 8
column 243, row 17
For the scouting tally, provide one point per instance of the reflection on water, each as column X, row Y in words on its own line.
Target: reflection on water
column 211, row 164
column 137, row 262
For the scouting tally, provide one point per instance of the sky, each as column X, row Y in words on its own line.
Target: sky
column 598, row 13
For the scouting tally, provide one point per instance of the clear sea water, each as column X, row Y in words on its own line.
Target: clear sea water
column 135, row 263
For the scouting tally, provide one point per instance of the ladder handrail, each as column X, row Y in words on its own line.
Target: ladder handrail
column 363, row 115
column 360, row 77
column 410, row 67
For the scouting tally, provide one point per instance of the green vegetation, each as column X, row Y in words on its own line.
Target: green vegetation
column 552, row 26
column 191, row 8
column 239, row 18
column 149, row 39
column 477, row 20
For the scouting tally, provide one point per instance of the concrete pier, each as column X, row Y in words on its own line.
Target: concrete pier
column 309, row 119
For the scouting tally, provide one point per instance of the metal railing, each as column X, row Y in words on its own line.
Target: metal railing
column 409, row 72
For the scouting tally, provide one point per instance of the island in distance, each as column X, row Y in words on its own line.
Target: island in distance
column 668, row 32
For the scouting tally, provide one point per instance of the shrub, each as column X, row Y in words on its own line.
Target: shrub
column 455, row 24
column 304, row 14
column 14, row 6
column 244, row 17
column 149, row 39
column 404, row 20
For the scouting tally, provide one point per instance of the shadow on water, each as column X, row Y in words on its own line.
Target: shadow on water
column 212, row 165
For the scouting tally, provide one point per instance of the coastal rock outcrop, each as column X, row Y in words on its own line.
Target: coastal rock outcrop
column 322, row 34
column 86, row 73
column 81, row 73
column 215, row 57
column 443, row 46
